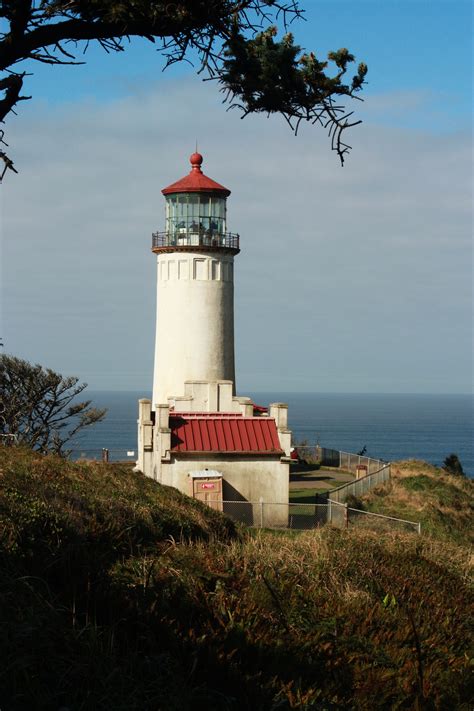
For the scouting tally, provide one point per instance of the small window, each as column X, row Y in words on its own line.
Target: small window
column 200, row 269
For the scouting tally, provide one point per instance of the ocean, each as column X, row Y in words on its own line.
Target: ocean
column 391, row 427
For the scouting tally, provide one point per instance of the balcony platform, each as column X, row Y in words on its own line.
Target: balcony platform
column 163, row 242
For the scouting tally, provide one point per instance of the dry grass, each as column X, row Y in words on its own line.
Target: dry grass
column 419, row 491
column 122, row 594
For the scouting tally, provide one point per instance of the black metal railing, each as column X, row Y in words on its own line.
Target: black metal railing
column 223, row 240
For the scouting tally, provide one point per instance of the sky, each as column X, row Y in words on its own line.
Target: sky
column 353, row 279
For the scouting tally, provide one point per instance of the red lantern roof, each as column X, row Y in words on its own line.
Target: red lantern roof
column 196, row 181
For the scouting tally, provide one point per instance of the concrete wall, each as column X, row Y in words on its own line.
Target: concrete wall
column 279, row 412
column 195, row 321
column 245, row 479
column 207, row 396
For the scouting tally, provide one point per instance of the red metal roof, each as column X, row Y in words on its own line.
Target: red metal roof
column 232, row 434
column 227, row 415
column 196, row 181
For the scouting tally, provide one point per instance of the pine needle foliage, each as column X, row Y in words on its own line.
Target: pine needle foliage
column 271, row 76
column 254, row 70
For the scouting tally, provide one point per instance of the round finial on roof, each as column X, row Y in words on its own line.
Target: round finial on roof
column 196, row 159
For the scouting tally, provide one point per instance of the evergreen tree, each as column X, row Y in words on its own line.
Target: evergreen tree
column 452, row 465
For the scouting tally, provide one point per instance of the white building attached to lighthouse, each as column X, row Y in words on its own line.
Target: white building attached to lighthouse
column 196, row 434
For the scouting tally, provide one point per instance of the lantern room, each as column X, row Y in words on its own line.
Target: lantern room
column 196, row 214
column 188, row 214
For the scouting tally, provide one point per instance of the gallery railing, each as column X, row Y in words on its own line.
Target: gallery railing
column 222, row 240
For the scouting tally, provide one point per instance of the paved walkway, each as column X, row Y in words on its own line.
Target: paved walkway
column 319, row 479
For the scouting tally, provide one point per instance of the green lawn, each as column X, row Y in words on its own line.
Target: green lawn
column 304, row 496
column 309, row 495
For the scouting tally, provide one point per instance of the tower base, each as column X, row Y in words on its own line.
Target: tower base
column 209, row 445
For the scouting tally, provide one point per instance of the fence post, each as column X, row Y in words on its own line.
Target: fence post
column 261, row 512
column 329, row 513
column 346, row 516
column 105, row 454
column 419, row 528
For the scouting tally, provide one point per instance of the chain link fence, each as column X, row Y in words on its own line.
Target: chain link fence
column 275, row 515
column 105, row 454
column 353, row 462
column 305, row 517
column 359, row 487
column 343, row 516
column 338, row 459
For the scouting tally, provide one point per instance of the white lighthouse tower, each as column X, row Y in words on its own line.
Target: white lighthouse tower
column 196, row 434
column 195, row 288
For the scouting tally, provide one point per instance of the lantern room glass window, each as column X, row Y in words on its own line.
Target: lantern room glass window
column 190, row 214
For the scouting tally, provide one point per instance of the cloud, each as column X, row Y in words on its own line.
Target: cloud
column 430, row 111
column 353, row 279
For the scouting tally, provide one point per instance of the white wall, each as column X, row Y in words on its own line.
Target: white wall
column 195, row 321
column 244, row 479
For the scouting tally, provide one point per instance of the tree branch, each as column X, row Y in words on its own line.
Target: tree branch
column 38, row 405
column 256, row 72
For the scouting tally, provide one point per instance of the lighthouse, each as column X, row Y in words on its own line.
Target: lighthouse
column 195, row 287
column 196, row 434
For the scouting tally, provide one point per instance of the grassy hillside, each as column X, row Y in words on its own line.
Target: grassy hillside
column 421, row 492
column 118, row 593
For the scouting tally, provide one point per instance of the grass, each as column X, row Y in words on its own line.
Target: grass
column 116, row 592
column 304, row 496
column 309, row 495
column 443, row 503
column 309, row 470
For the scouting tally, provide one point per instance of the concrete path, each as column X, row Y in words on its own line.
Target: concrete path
column 319, row 479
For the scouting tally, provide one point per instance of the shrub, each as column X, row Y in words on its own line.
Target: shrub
column 354, row 502
column 452, row 465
